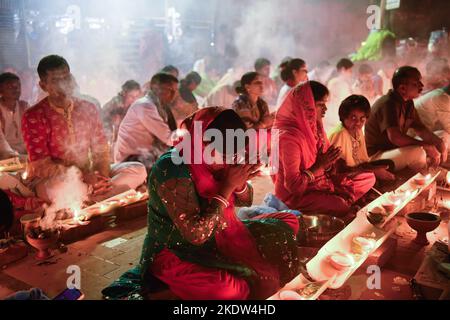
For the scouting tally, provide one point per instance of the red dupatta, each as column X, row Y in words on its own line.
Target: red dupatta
column 296, row 120
column 235, row 241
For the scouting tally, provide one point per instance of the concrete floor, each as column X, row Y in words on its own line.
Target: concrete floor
column 102, row 258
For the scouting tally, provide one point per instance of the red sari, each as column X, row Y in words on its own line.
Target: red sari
column 301, row 137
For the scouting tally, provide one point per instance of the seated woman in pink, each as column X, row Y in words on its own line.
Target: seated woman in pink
column 305, row 179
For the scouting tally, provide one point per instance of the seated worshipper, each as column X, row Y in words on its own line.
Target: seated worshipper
column 340, row 88
column 185, row 104
column 262, row 66
column 365, row 84
column 187, row 87
column 252, row 109
column 114, row 111
column 195, row 243
column 293, row 72
column 169, row 69
column 434, row 109
column 391, row 118
column 11, row 112
column 349, row 137
column 276, row 75
column 304, row 180
column 145, row 132
column 62, row 131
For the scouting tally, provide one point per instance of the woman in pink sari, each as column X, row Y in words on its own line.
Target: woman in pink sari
column 305, row 179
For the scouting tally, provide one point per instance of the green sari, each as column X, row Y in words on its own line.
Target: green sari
column 171, row 193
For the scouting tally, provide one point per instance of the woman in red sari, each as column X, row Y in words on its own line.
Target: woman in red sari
column 305, row 179
column 195, row 243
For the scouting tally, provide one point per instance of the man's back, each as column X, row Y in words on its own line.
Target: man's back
column 434, row 109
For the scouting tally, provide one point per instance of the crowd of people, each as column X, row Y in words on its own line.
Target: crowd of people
column 339, row 134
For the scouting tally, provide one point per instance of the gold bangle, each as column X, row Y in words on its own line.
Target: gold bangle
column 222, row 200
column 243, row 190
column 310, row 175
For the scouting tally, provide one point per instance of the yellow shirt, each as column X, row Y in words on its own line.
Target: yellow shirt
column 354, row 151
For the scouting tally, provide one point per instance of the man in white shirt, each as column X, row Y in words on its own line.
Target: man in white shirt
column 340, row 88
column 145, row 132
column 11, row 111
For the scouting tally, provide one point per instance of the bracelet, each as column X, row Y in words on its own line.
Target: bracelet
column 243, row 190
column 310, row 175
column 222, row 200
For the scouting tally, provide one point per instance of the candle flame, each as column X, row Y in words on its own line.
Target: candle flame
column 25, row 175
column 448, row 177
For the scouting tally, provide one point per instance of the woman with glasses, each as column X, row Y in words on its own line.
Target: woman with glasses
column 249, row 105
column 349, row 136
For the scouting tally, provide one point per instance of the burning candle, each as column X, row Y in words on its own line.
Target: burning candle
column 24, row 175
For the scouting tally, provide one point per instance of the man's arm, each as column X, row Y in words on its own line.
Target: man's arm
column 6, row 151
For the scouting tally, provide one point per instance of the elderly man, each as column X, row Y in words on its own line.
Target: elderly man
column 62, row 131
column 391, row 118
column 145, row 132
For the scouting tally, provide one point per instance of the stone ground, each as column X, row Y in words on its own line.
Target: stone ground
column 102, row 258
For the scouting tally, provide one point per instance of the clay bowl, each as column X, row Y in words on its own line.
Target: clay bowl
column 43, row 246
column 422, row 222
column 316, row 230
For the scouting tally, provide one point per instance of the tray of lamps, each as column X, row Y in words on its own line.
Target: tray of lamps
column 341, row 256
column 105, row 206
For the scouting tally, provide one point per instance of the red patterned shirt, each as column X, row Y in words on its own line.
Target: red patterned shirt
column 54, row 136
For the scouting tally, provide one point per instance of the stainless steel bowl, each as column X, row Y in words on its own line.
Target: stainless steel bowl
column 316, row 230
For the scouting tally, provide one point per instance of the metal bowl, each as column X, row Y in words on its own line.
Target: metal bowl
column 316, row 230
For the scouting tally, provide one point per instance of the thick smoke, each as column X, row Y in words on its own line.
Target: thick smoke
column 312, row 30
column 66, row 191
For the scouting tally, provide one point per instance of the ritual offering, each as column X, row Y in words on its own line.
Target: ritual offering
column 42, row 240
column 362, row 245
column 377, row 215
column 341, row 261
column 305, row 293
column 422, row 180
